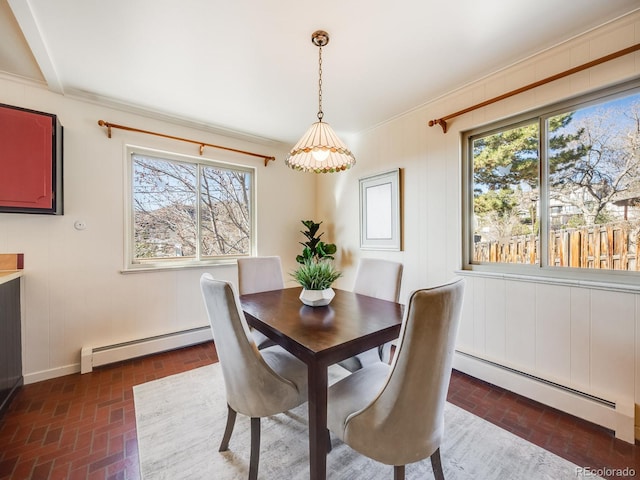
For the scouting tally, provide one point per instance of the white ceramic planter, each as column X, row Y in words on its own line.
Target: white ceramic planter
column 317, row 298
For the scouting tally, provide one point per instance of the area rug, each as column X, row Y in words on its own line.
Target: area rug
column 180, row 420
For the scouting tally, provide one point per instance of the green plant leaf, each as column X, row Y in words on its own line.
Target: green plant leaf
column 316, row 275
column 314, row 248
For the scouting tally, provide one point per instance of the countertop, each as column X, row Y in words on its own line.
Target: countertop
column 8, row 275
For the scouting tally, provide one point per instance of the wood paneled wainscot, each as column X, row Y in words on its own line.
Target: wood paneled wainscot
column 10, row 337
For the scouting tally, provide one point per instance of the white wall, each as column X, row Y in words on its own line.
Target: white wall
column 582, row 338
column 76, row 296
column 75, row 293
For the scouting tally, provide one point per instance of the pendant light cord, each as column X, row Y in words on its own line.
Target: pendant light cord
column 320, row 113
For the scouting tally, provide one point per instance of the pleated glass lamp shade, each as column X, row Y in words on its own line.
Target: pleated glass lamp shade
column 320, row 151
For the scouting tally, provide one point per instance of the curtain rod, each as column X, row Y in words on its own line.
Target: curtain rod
column 110, row 125
column 625, row 51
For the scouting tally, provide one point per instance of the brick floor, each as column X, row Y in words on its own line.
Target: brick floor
column 581, row 442
column 83, row 426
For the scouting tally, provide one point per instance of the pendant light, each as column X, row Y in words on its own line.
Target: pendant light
column 320, row 150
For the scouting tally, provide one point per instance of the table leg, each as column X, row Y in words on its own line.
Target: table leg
column 318, row 380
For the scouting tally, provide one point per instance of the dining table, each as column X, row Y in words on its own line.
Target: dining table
column 321, row 336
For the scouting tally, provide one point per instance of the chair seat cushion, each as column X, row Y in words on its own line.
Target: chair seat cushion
column 363, row 359
column 353, row 393
column 261, row 340
column 289, row 367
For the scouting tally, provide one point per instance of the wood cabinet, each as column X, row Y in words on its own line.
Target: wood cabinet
column 30, row 161
column 10, row 342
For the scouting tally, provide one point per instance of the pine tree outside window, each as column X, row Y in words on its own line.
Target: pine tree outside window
column 557, row 190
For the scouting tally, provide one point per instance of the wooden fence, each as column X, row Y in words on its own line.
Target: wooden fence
column 611, row 246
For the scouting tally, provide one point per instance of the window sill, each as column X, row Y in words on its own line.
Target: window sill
column 147, row 268
column 554, row 280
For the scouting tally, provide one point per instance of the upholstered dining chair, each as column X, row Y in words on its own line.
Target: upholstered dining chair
column 394, row 413
column 260, row 274
column 259, row 383
column 380, row 279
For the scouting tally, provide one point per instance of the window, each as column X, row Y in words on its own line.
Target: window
column 557, row 190
column 186, row 211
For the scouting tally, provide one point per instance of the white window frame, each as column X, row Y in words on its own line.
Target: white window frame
column 130, row 263
column 543, row 271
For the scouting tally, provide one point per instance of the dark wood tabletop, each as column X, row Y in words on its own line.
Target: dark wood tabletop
column 321, row 336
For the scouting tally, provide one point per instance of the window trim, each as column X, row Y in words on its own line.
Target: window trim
column 171, row 263
column 543, row 270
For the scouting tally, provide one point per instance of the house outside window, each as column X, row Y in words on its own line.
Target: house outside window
column 557, row 190
column 185, row 211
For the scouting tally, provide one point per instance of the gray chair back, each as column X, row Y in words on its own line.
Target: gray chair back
column 259, row 274
column 405, row 422
column 378, row 278
column 253, row 388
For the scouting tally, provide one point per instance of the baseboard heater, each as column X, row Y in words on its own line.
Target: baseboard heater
column 617, row 415
column 91, row 356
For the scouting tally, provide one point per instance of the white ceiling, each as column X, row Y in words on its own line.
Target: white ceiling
column 249, row 65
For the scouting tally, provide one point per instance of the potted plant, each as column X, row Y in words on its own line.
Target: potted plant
column 316, row 272
column 314, row 248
